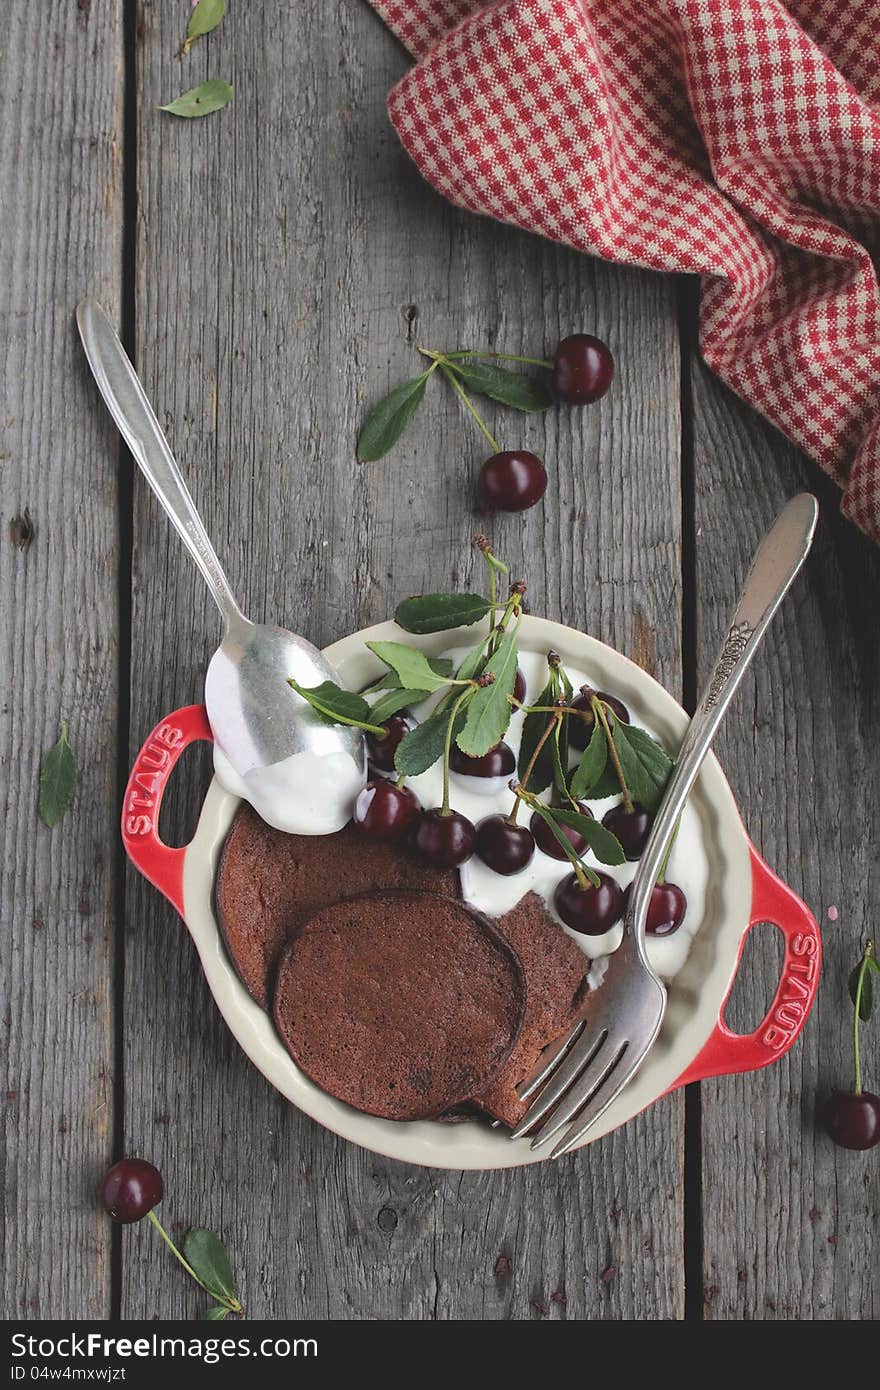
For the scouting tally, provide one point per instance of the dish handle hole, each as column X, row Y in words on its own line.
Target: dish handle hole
column 756, row 979
column 183, row 798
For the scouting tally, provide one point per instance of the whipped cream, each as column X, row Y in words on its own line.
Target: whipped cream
column 306, row 794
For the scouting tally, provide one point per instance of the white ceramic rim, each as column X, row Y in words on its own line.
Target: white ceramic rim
column 696, row 994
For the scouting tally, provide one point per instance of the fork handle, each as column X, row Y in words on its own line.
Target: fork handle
column 777, row 561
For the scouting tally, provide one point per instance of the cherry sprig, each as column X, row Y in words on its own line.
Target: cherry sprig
column 852, row 1118
column 510, row 480
column 130, row 1191
column 474, row 703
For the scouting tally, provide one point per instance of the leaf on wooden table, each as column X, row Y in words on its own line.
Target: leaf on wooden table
column 57, row 780
column 866, row 1003
column 202, row 100
column 387, row 421
column 207, row 1255
column 500, row 384
column 206, row 15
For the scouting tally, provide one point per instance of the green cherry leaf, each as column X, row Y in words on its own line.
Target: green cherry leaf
column 472, row 664
column 866, row 1004
column 422, row 746
column 201, row 100
column 646, row 765
column 57, row 780
column 607, row 785
column 410, row 665
column 592, row 764
column 205, row 1252
column 393, row 701
column 217, row 1313
column 606, row 847
column 437, row 612
column 387, row 421
column 499, row 384
column 489, row 710
column 389, row 680
column 534, row 725
column 205, row 17
column 333, row 703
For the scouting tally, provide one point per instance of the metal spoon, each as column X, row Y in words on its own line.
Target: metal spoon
column 256, row 719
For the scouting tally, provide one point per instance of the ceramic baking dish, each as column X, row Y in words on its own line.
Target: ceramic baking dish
column 694, row 1041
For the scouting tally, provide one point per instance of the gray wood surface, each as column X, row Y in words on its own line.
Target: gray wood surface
column 792, row 1224
column 60, row 234
column 286, row 260
column 288, row 254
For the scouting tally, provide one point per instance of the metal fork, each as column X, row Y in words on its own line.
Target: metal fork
column 589, row 1069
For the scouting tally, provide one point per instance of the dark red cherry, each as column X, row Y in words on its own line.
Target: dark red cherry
column 445, row 841
column 632, row 828
column 512, row 481
column 383, row 811
column 666, row 909
column 591, row 910
column 500, row 761
column 547, row 841
column 583, row 369
column 580, row 730
column 381, row 750
column 130, row 1189
column 504, row 847
column 519, row 686
column 853, row 1120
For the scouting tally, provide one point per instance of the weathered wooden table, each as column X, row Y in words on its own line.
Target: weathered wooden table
column 273, row 266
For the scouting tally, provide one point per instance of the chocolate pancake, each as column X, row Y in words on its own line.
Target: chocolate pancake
column 555, row 970
column 270, row 883
column 401, row 1004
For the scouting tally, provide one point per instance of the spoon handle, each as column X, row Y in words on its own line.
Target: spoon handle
column 777, row 561
column 127, row 402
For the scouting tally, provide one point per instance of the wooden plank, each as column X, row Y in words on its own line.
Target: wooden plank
column 791, row 1223
column 290, row 257
column 60, row 229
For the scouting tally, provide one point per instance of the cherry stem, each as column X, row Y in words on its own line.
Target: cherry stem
column 231, row 1303
column 661, row 877
column 864, row 967
column 599, row 712
column 447, row 749
column 551, row 725
column 459, row 389
column 500, row 357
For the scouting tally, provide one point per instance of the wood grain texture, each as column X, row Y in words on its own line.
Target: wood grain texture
column 790, row 1223
column 289, row 259
column 60, row 230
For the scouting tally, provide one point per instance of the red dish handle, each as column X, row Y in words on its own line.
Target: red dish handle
column 726, row 1052
column 149, row 777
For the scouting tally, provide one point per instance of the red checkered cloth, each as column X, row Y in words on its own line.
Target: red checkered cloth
column 738, row 139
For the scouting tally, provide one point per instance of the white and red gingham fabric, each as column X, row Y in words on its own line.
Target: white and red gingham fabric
column 739, row 139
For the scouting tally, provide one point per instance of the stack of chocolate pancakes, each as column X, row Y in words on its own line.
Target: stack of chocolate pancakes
column 386, row 988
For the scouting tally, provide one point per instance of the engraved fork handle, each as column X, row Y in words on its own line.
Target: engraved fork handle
column 777, row 561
